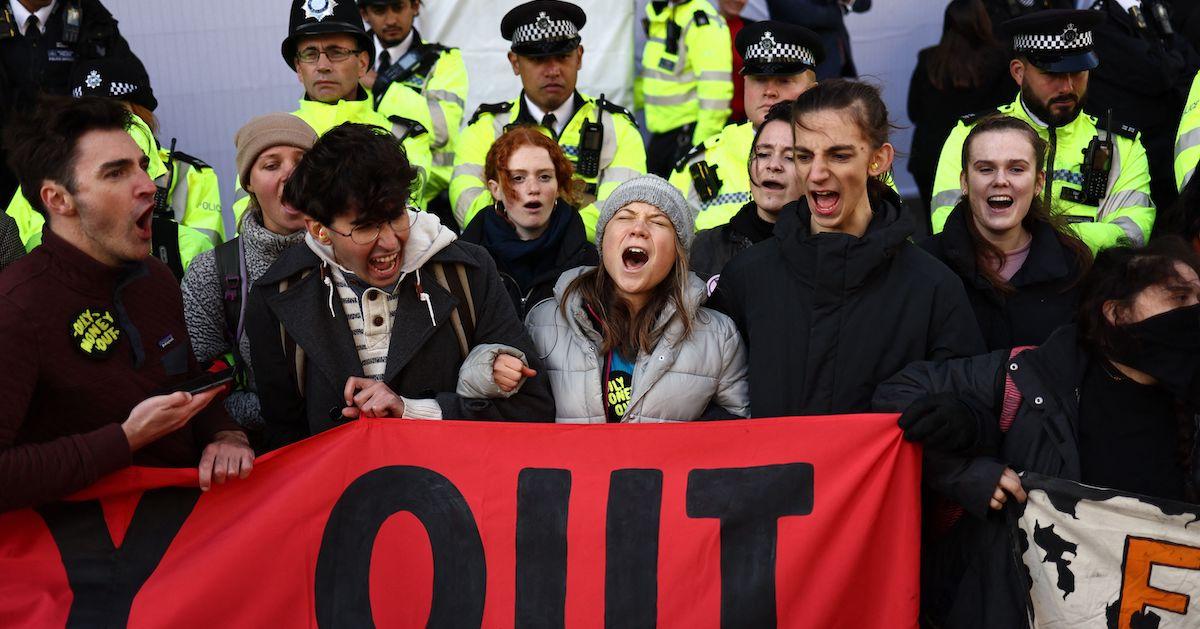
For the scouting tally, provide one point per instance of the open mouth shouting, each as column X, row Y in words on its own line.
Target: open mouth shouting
column 144, row 225
column 385, row 266
column 825, row 202
column 999, row 202
column 772, row 184
column 634, row 258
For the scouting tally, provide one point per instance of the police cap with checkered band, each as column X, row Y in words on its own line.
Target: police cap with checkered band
column 1056, row 40
column 543, row 27
column 771, row 48
column 321, row 17
column 123, row 78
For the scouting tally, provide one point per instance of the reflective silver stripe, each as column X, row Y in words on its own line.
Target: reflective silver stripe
column 179, row 195
column 715, row 75
column 1187, row 177
column 1132, row 232
column 210, row 234
column 473, row 170
column 677, row 99
column 448, row 96
column 443, row 158
column 1187, row 141
column 620, row 174
column 499, row 121
column 464, row 204
column 608, row 146
column 708, row 103
column 1126, row 199
column 441, row 130
column 654, row 73
column 946, row 197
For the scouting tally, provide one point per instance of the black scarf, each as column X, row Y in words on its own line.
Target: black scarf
column 525, row 260
column 1166, row 346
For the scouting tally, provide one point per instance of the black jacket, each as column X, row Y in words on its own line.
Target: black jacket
column 715, row 247
column 572, row 250
column 1046, row 285
column 827, row 317
column 423, row 360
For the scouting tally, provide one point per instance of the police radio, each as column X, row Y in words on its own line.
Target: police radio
column 591, row 140
column 8, row 24
column 162, row 194
column 1097, row 162
column 705, row 180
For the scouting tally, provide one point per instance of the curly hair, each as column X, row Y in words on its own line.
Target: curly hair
column 354, row 169
column 496, row 165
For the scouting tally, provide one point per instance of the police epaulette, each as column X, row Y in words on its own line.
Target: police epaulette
column 971, row 119
column 414, row 128
column 683, row 161
column 1118, row 128
column 195, row 162
column 490, row 108
column 701, row 18
column 613, row 108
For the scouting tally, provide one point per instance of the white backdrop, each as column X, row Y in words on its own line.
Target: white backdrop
column 215, row 64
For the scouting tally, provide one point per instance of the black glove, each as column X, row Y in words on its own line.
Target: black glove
column 940, row 422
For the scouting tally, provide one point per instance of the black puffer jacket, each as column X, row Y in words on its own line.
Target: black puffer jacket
column 827, row 317
column 1046, row 286
column 571, row 249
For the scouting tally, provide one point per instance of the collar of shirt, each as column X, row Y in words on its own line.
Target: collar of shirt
column 397, row 51
column 1128, row 4
column 21, row 14
column 562, row 115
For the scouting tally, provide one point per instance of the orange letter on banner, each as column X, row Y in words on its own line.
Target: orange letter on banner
column 1141, row 555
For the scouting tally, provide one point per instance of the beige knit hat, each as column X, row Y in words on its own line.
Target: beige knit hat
column 264, row 132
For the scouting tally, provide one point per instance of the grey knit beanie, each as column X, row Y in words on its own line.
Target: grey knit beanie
column 655, row 191
column 264, row 132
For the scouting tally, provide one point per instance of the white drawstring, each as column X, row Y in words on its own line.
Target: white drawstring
column 328, row 285
column 423, row 296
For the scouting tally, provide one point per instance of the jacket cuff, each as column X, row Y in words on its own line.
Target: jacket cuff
column 475, row 376
column 109, row 449
column 421, row 409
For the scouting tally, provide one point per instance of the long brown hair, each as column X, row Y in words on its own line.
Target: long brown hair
column 960, row 59
column 623, row 330
column 988, row 257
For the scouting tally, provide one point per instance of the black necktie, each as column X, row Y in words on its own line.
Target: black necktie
column 550, row 122
column 31, row 26
column 385, row 61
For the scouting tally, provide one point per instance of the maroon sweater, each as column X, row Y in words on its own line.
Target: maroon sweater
column 83, row 343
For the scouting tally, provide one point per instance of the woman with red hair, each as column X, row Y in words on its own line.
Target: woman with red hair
column 532, row 230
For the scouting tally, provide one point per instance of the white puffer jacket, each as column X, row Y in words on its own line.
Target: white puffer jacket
column 675, row 382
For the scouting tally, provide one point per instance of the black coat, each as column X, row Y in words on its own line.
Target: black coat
column 934, row 112
column 827, row 317
column 1046, row 286
column 826, row 19
column 1144, row 77
column 572, row 250
column 713, row 248
column 423, row 360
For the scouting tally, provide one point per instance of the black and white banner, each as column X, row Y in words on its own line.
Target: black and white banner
column 1102, row 558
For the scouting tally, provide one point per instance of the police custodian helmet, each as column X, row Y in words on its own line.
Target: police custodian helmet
column 1056, row 40
column 320, row 17
column 771, row 48
column 543, row 27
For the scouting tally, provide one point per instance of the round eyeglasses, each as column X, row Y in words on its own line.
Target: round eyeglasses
column 368, row 234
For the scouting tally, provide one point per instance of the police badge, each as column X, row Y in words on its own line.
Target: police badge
column 318, row 9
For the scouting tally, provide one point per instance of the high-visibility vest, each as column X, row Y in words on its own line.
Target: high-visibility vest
column 1187, row 139
column 726, row 155
column 621, row 155
column 686, row 73
column 1124, row 214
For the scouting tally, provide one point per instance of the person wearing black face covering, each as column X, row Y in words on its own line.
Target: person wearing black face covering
column 1108, row 401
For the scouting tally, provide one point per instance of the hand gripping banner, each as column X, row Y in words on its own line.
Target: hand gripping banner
column 1103, row 558
column 800, row 522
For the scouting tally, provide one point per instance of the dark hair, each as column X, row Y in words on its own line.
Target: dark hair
column 865, row 106
column 621, row 328
column 779, row 111
column 1182, row 218
column 988, row 258
column 1119, row 274
column 353, row 168
column 496, row 164
column 960, row 59
column 42, row 143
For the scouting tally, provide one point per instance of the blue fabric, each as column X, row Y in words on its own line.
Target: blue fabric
column 525, row 260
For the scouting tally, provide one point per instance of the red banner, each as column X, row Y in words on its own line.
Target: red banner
column 801, row 522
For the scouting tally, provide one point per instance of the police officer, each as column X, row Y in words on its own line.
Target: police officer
column 40, row 42
column 1097, row 175
column 330, row 52
column 1144, row 73
column 187, row 215
column 416, row 79
column 1187, row 138
column 685, row 79
column 598, row 136
column 779, row 63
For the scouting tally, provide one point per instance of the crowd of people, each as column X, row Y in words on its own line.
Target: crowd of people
column 539, row 260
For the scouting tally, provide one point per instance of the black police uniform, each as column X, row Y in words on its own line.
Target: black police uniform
column 41, row 62
column 1144, row 75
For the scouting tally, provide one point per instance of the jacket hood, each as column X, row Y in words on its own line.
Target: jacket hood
column 804, row 252
column 426, row 237
column 1048, row 259
column 694, row 294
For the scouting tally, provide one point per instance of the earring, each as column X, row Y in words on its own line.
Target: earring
column 874, row 165
column 323, row 236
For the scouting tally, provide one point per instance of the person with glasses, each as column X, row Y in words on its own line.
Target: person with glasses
column 382, row 312
column 330, row 52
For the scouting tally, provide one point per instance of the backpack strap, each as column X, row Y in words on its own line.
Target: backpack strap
column 230, row 260
column 455, row 282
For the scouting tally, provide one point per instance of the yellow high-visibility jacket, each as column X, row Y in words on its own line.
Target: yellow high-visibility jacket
column 1187, row 139
column 728, row 153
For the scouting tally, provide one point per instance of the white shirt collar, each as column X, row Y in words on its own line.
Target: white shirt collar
column 562, row 115
column 21, row 14
column 397, row 51
column 1128, row 4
